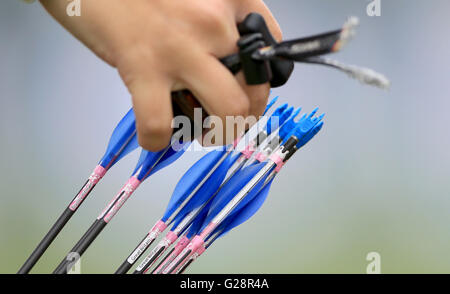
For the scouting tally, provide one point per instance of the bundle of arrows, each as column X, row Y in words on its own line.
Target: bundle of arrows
column 228, row 185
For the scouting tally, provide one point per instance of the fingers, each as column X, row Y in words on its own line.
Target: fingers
column 217, row 90
column 196, row 68
column 153, row 111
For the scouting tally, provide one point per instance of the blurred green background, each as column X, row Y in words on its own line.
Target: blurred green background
column 375, row 179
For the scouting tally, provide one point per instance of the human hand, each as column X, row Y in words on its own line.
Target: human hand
column 159, row 46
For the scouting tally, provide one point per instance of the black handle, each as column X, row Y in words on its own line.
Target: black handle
column 281, row 69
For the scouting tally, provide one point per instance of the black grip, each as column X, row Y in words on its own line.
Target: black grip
column 281, row 69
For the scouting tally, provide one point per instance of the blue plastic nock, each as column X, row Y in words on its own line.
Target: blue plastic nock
column 306, row 138
column 313, row 112
column 305, row 125
column 295, row 113
column 290, row 132
column 289, row 125
column 286, row 115
column 274, row 119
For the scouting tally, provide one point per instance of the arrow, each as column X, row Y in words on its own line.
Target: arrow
column 242, row 216
column 123, row 140
column 207, row 189
column 276, row 138
column 193, row 208
column 193, row 230
column 193, row 214
column 208, row 172
column 149, row 163
column 200, row 181
column 239, row 191
column 279, row 116
column 238, row 217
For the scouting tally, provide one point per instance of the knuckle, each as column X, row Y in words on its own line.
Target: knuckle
column 260, row 97
column 151, row 145
column 144, row 142
column 155, row 127
column 154, row 134
column 212, row 17
column 242, row 108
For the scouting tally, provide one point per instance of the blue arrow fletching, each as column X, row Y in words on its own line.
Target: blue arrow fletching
column 208, row 189
column 151, row 162
column 130, row 147
column 238, row 217
column 123, row 140
column 232, row 188
column 192, row 178
column 170, row 157
column 194, row 229
column 270, row 104
column 142, row 158
column 275, row 118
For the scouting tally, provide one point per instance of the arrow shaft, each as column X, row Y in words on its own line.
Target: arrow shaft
column 159, row 249
column 127, row 264
column 37, row 253
column 102, row 220
column 185, row 266
column 185, row 223
column 165, row 261
column 213, row 237
column 90, row 235
column 265, row 149
column 148, row 240
column 106, row 215
column 160, row 226
column 199, row 239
